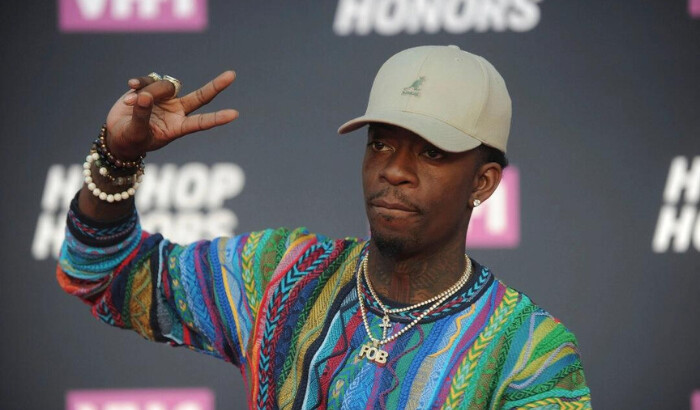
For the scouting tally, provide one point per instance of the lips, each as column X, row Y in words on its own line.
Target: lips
column 394, row 208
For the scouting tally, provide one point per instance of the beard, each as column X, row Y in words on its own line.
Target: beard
column 392, row 247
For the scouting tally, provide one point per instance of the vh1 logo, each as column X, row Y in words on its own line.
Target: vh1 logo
column 132, row 15
column 496, row 222
column 141, row 399
column 694, row 8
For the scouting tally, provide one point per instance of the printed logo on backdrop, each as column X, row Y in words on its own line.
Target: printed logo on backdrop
column 183, row 202
column 694, row 8
column 392, row 17
column 153, row 399
column 678, row 225
column 132, row 15
column 695, row 400
column 496, row 222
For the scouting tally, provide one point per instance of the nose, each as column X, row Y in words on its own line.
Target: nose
column 400, row 168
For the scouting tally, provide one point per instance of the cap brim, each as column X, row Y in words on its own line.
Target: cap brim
column 438, row 133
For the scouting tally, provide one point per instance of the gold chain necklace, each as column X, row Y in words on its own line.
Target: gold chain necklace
column 372, row 350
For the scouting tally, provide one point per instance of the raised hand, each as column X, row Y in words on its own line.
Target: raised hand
column 148, row 117
column 144, row 119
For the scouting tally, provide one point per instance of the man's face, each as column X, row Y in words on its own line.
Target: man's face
column 417, row 196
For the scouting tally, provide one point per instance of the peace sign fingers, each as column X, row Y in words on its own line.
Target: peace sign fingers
column 201, row 122
column 204, row 95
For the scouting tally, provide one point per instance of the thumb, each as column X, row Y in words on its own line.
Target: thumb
column 142, row 108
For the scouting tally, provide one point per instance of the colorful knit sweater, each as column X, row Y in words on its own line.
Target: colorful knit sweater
column 283, row 306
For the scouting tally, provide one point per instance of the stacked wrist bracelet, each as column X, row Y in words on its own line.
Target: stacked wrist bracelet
column 100, row 145
column 107, row 164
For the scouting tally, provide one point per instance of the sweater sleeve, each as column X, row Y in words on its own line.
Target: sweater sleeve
column 548, row 372
column 204, row 296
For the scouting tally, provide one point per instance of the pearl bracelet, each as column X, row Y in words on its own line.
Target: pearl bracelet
column 119, row 196
column 122, row 180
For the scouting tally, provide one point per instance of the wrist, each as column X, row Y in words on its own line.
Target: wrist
column 119, row 157
column 107, row 177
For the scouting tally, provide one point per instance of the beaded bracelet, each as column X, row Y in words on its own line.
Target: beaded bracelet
column 100, row 145
column 116, row 197
column 120, row 180
column 124, row 180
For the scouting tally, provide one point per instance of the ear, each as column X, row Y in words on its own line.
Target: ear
column 486, row 180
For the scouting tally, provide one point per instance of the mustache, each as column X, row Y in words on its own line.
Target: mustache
column 394, row 194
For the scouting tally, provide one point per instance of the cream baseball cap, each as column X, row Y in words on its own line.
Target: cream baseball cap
column 452, row 98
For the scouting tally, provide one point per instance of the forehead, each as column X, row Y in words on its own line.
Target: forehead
column 381, row 130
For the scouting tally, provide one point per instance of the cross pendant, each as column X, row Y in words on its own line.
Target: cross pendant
column 373, row 352
column 386, row 324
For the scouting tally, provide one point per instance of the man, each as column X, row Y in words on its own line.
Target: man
column 402, row 320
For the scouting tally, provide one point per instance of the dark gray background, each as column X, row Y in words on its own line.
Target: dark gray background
column 605, row 94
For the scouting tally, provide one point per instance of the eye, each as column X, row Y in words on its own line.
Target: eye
column 434, row 153
column 377, row 145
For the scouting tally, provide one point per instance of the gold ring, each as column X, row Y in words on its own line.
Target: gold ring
column 175, row 82
column 155, row 76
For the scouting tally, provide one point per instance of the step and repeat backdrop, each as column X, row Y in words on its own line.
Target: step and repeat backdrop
column 598, row 218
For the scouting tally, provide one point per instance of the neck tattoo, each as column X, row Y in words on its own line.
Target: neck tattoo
column 372, row 350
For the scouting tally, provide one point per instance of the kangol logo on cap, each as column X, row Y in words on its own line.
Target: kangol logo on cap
column 414, row 89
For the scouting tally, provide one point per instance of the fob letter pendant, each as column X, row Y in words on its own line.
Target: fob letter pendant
column 374, row 353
